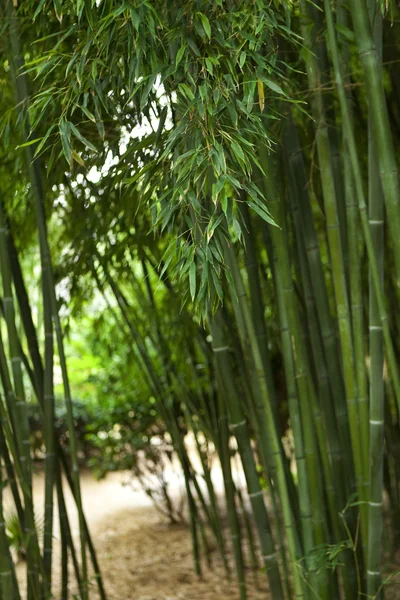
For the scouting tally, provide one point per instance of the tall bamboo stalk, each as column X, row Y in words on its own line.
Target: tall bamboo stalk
column 379, row 120
column 377, row 401
column 336, row 258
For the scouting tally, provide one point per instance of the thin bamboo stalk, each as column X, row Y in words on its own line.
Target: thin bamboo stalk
column 336, row 258
column 377, row 401
column 240, row 430
column 379, row 121
column 291, row 532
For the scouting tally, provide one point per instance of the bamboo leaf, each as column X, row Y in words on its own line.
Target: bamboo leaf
column 238, row 152
column 81, row 138
column 261, row 212
column 192, row 279
column 28, row 143
column 273, row 86
column 38, row 9
column 261, row 98
column 180, row 54
column 65, row 134
column 206, row 24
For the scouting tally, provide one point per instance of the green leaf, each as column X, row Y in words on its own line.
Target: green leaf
column 186, row 91
column 213, row 224
column 38, row 9
column 193, row 46
column 78, row 158
column 81, row 138
column 65, row 134
column 180, row 54
column 58, row 9
column 217, row 284
column 210, row 66
column 28, row 143
column 273, row 86
column 87, row 112
column 192, row 280
column 206, row 24
column 345, row 32
column 262, row 213
column 238, row 152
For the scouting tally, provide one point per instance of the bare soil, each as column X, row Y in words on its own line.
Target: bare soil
column 142, row 556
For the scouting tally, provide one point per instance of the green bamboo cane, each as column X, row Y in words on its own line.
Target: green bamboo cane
column 25, row 313
column 49, row 433
column 240, row 430
column 298, row 372
column 11, row 476
column 190, row 475
column 377, row 401
column 274, row 439
column 357, row 308
column 159, row 392
column 321, row 52
column 255, row 294
column 214, row 514
column 257, row 415
column 21, row 83
column 8, row 578
column 316, row 337
column 64, row 542
column 353, row 222
column 257, row 309
column 379, row 121
column 330, row 453
column 325, row 321
column 226, row 467
column 23, row 439
column 21, row 421
column 333, row 468
column 39, row 376
column 376, row 425
column 374, row 269
column 250, row 537
column 214, row 423
column 336, row 259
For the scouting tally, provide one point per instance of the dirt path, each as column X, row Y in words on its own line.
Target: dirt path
column 141, row 556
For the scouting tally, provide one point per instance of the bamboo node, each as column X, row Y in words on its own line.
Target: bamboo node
column 235, row 425
column 268, row 556
column 254, row 494
column 377, row 504
column 373, row 422
column 373, row 572
column 221, row 349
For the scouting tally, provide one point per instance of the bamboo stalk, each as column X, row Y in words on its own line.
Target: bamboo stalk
column 336, row 258
column 240, row 430
column 379, row 121
column 377, row 401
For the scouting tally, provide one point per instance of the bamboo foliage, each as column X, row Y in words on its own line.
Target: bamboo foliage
column 269, row 216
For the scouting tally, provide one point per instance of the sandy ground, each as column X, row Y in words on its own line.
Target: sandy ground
column 142, row 557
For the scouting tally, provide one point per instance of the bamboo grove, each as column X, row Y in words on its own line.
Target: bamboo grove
column 224, row 175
